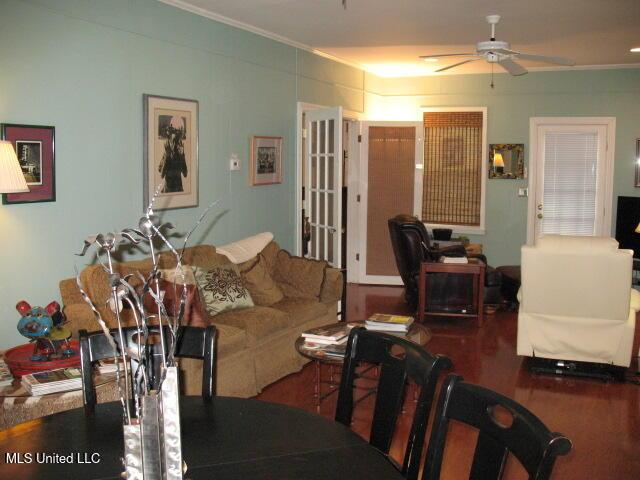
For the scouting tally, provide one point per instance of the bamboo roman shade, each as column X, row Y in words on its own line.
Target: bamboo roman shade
column 452, row 179
column 391, row 168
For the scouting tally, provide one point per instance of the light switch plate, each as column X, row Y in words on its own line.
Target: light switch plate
column 234, row 162
column 523, row 192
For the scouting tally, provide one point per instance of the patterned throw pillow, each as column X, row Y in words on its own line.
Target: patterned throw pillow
column 221, row 289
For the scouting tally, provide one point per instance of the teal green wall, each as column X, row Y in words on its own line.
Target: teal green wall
column 510, row 105
column 83, row 65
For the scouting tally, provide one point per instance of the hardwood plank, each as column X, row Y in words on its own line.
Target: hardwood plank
column 601, row 419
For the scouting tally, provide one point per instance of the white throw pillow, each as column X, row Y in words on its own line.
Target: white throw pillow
column 245, row 249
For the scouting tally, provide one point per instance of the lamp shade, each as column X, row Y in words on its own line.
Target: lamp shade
column 11, row 177
column 498, row 161
column 637, row 230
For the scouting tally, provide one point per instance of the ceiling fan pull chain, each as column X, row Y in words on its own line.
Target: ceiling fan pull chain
column 492, row 75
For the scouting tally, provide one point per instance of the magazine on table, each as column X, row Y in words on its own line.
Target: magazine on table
column 52, row 381
column 331, row 334
column 388, row 323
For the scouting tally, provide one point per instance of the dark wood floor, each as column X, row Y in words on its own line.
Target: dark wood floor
column 601, row 419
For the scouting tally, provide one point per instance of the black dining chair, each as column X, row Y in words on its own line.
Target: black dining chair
column 192, row 342
column 398, row 360
column 505, row 427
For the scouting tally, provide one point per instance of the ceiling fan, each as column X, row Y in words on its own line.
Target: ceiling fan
column 497, row 51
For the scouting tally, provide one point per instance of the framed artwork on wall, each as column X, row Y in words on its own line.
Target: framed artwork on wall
column 35, row 148
column 170, row 152
column 266, row 160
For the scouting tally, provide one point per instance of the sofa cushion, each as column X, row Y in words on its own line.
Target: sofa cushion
column 257, row 279
column 230, row 339
column 270, row 255
column 221, row 289
column 299, row 277
column 257, row 322
column 301, row 310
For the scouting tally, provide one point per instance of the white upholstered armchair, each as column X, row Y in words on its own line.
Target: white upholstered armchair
column 576, row 300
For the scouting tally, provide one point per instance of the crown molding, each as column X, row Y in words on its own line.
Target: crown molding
column 183, row 5
column 258, row 31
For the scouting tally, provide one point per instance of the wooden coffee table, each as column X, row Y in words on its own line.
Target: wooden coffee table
column 417, row 333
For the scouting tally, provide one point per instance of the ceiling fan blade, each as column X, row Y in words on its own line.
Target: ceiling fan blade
column 543, row 58
column 455, row 65
column 450, row 55
column 512, row 67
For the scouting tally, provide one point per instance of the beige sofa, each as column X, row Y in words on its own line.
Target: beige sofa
column 255, row 346
column 576, row 300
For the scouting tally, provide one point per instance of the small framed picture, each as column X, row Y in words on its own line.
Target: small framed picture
column 170, row 152
column 35, row 148
column 266, row 160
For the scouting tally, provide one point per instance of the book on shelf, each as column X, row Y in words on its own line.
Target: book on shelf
column 5, row 374
column 444, row 259
column 52, row 381
column 331, row 334
column 382, row 322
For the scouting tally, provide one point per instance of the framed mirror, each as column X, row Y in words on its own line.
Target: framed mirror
column 506, row 160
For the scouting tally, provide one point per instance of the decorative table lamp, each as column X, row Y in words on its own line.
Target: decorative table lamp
column 498, row 163
column 11, row 177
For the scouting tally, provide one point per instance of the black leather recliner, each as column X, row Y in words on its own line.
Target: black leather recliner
column 447, row 291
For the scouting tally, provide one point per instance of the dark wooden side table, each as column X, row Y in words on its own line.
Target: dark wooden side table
column 475, row 267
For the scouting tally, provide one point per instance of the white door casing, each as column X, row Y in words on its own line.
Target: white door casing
column 603, row 128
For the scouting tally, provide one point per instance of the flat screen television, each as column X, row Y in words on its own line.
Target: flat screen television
column 627, row 220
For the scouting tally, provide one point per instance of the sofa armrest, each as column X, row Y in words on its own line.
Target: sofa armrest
column 79, row 317
column 332, row 286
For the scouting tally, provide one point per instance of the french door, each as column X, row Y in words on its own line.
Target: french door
column 571, row 171
column 391, row 161
column 323, row 184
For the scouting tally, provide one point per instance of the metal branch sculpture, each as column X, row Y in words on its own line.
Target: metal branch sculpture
column 152, row 426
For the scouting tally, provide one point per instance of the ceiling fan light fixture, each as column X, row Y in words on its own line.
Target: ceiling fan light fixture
column 635, row 50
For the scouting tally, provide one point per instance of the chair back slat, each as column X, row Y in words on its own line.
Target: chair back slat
column 399, row 360
column 389, row 399
column 489, row 459
column 505, row 427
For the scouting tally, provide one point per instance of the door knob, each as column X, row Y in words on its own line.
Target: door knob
column 539, row 215
column 539, row 206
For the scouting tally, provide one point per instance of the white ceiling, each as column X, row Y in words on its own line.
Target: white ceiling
column 387, row 36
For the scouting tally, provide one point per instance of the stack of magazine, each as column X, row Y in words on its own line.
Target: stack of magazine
column 382, row 322
column 332, row 335
column 52, row 381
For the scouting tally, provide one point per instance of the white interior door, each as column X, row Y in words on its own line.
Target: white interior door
column 572, row 180
column 390, row 183
column 323, row 184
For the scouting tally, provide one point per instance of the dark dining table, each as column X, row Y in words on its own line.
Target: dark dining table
column 229, row 438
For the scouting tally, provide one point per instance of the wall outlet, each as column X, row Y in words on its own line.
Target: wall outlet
column 234, row 162
column 523, row 192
